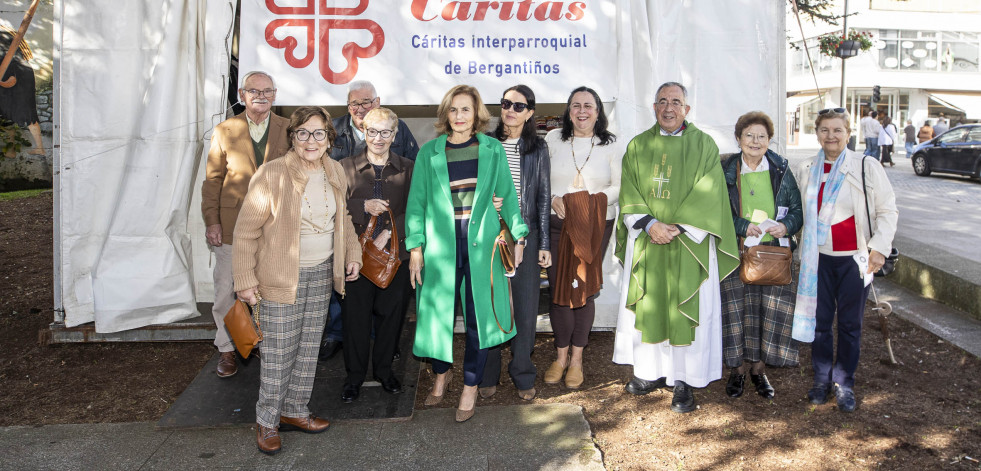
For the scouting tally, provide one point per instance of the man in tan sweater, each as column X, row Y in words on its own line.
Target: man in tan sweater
column 239, row 145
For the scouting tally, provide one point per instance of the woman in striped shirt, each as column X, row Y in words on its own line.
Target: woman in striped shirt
column 530, row 167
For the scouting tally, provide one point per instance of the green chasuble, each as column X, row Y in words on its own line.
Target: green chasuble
column 677, row 180
column 757, row 194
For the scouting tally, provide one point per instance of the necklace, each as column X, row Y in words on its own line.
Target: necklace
column 578, row 183
column 310, row 207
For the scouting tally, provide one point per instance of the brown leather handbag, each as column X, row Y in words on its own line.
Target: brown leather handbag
column 243, row 326
column 503, row 244
column 763, row 265
column 379, row 265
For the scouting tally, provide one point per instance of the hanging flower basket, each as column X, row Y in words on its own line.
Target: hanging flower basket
column 845, row 46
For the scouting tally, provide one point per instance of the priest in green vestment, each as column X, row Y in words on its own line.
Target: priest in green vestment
column 676, row 240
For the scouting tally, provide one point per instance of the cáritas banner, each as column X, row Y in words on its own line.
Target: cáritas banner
column 415, row 50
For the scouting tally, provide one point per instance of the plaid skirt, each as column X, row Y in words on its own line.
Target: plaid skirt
column 757, row 322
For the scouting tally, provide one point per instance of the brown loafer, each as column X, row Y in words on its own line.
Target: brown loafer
column 487, row 393
column 573, row 377
column 527, row 394
column 227, row 365
column 268, row 440
column 310, row 424
column 554, row 373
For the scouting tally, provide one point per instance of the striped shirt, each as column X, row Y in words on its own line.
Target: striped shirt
column 461, row 164
column 514, row 163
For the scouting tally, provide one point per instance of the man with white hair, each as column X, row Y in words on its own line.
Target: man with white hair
column 239, row 145
column 361, row 98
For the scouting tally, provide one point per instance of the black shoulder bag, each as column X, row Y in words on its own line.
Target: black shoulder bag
column 890, row 265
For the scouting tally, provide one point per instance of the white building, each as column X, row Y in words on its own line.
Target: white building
column 925, row 59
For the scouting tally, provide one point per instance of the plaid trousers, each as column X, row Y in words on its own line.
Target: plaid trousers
column 757, row 322
column 291, row 342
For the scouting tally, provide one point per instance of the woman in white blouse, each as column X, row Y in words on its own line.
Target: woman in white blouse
column 583, row 158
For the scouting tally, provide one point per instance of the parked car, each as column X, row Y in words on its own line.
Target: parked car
column 956, row 151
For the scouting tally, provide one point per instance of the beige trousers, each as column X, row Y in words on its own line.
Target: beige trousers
column 224, row 295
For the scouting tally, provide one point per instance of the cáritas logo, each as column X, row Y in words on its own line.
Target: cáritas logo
column 317, row 20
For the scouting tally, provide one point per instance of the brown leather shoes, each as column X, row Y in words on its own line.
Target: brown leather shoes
column 311, row 424
column 227, row 365
column 268, row 440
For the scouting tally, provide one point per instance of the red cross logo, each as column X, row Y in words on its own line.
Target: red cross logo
column 318, row 26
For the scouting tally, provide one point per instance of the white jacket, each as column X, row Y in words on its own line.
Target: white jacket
column 887, row 135
column 881, row 200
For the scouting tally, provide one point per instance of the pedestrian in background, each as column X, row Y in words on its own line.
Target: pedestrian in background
column 910, row 136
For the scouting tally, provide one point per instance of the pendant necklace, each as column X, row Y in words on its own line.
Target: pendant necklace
column 310, row 207
column 578, row 183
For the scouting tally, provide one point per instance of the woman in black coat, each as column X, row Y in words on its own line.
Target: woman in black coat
column 530, row 168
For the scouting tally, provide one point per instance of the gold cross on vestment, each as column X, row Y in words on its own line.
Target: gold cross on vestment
column 660, row 179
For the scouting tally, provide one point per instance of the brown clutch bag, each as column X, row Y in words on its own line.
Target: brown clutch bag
column 379, row 265
column 243, row 327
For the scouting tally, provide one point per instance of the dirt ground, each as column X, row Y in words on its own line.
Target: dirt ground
column 920, row 414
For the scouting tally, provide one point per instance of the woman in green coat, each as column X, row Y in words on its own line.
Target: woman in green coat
column 450, row 225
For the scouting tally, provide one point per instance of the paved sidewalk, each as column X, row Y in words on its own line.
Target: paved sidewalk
column 541, row 437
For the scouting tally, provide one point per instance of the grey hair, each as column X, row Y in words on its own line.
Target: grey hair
column 684, row 91
column 361, row 85
column 253, row 73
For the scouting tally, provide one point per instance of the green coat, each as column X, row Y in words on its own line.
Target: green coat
column 429, row 224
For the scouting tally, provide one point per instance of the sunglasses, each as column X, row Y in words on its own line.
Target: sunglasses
column 832, row 110
column 518, row 107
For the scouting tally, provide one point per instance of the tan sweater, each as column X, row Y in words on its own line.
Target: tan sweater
column 266, row 248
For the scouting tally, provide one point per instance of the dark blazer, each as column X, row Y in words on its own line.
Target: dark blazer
column 536, row 192
column 347, row 144
column 397, row 176
column 784, row 186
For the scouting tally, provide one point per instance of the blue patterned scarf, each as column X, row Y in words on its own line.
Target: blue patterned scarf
column 816, row 228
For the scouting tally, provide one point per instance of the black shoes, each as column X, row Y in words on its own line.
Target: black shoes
column 390, row 385
column 763, row 387
column 684, row 398
column 640, row 387
column 351, row 393
column 329, row 348
column 734, row 387
column 846, row 399
column 819, row 394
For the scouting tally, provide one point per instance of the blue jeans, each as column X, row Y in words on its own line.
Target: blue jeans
column 909, row 150
column 872, row 147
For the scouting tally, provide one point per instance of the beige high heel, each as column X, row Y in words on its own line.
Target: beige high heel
column 434, row 399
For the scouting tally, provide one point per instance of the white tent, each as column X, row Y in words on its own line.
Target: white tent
column 139, row 85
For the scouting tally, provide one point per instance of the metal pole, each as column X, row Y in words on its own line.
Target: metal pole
column 844, row 33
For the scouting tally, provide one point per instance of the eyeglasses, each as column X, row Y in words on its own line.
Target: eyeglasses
column 756, row 137
column 304, row 135
column 363, row 104
column 518, row 107
column 384, row 133
column 257, row 93
column 832, row 110
column 677, row 104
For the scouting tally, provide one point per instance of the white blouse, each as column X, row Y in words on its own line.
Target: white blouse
column 600, row 167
